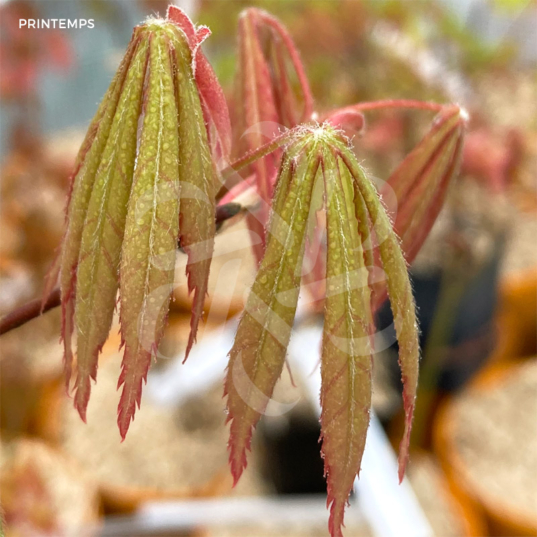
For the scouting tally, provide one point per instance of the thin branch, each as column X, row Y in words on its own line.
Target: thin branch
column 230, row 175
column 227, row 211
column 396, row 103
column 29, row 311
column 34, row 308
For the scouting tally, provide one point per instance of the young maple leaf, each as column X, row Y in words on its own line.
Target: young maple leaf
column 145, row 178
column 213, row 101
column 419, row 184
column 258, row 355
column 265, row 102
column 353, row 212
column 415, row 192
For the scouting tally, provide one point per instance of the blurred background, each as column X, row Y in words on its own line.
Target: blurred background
column 474, row 459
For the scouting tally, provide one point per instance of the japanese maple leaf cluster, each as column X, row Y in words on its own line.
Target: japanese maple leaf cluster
column 150, row 174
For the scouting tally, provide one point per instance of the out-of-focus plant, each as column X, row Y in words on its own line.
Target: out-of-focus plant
column 29, row 175
column 265, row 101
column 151, row 173
column 472, row 236
column 22, row 50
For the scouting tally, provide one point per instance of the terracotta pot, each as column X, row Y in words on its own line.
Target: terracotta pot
column 503, row 519
column 30, row 374
column 39, row 485
column 127, row 499
column 117, row 497
column 517, row 316
column 470, row 520
column 48, row 408
column 233, row 270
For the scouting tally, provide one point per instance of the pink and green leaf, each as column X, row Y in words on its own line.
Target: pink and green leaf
column 198, row 189
column 258, row 355
column 346, row 366
column 400, row 294
column 354, row 214
column 82, row 184
column 151, row 230
column 102, row 237
column 124, row 209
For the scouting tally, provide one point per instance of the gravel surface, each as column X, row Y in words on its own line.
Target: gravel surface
column 496, row 438
column 431, row 490
column 165, row 448
column 40, row 488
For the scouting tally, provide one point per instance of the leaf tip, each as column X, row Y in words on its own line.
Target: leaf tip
column 335, row 522
column 127, row 404
column 404, row 453
column 190, row 344
column 124, row 418
column 81, row 407
column 238, row 445
column 237, row 463
column 197, row 312
column 67, row 369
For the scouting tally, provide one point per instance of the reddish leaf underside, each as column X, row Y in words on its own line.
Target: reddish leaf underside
column 420, row 182
column 265, row 102
column 294, row 107
column 416, row 190
column 256, row 117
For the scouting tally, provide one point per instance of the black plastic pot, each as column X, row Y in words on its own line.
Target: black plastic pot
column 472, row 336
